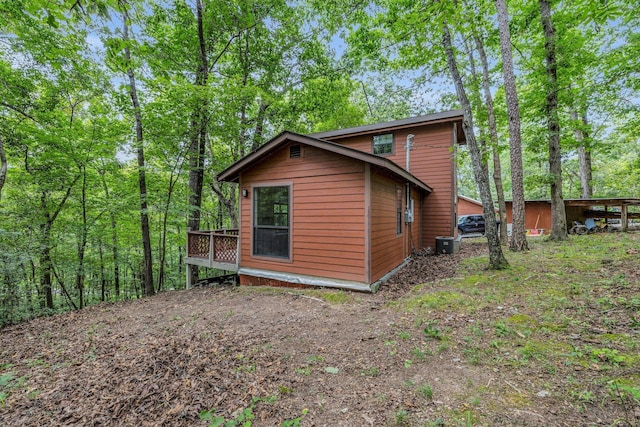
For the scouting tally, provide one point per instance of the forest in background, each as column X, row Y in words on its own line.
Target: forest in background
column 117, row 115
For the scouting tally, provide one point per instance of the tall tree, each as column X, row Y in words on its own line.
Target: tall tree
column 174, row 175
column 198, row 132
column 114, row 233
column 558, row 216
column 49, row 216
column 497, row 261
column 518, row 240
column 493, row 132
column 584, row 154
column 46, row 72
column 82, row 238
column 3, row 165
column 142, row 181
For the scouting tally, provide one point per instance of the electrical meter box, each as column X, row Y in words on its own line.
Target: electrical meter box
column 408, row 215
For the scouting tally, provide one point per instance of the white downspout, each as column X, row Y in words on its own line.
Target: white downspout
column 407, row 149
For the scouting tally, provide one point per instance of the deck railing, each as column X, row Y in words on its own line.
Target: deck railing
column 217, row 246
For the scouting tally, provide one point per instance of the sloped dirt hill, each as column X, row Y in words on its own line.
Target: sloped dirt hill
column 163, row 360
column 272, row 355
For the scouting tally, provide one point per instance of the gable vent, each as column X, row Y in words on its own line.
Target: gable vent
column 295, row 152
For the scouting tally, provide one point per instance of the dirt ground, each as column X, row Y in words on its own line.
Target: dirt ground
column 280, row 356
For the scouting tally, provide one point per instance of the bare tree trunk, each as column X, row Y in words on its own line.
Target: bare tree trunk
column 493, row 131
column 258, row 134
column 142, row 181
column 198, row 139
column 245, row 64
column 114, row 241
column 163, row 252
column 64, row 288
column 45, row 266
column 82, row 243
column 518, row 240
column 31, row 282
column 181, row 251
column 173, row 178
column 558, row 215
column 103, row 279
column 46, row 263
column 3, row 165
column 497, row 260
column 584, row 157
column 584, row 154
column 229, row 202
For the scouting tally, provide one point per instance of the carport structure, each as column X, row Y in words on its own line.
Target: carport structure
column 538, row 212
column 614, row 208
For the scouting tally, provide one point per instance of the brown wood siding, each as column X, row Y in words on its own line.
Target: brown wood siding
column 386, row 247
column 327, row 229
column 465, row 207
column 414, row 234
column 432, row 162
column 538, row 216
column 534, row 212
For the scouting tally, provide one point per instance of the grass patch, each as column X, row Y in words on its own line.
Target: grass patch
column 370, row 372
column 333, row 296
column 568, row 312
column 439, row 300
column 544, row 350
column 8, row 383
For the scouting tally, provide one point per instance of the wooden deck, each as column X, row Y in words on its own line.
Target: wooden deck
column 213, row 249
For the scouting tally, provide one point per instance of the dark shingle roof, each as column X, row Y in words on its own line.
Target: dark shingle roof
column 392, row 125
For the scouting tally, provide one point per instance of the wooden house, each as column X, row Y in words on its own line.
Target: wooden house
column 469, row 206
column 343, row 209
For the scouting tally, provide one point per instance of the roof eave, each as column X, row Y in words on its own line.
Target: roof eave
column 429, row 119
column 232, row 173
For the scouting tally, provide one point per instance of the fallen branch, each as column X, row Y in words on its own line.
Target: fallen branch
column 512, row 386
column 304, row 296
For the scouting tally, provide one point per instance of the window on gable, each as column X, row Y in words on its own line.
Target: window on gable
column 271, row 221
column 383, row 144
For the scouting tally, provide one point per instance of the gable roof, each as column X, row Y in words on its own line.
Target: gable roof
column 442, row 117
column 474, row 201
column 232, row 173
column 470, row 200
